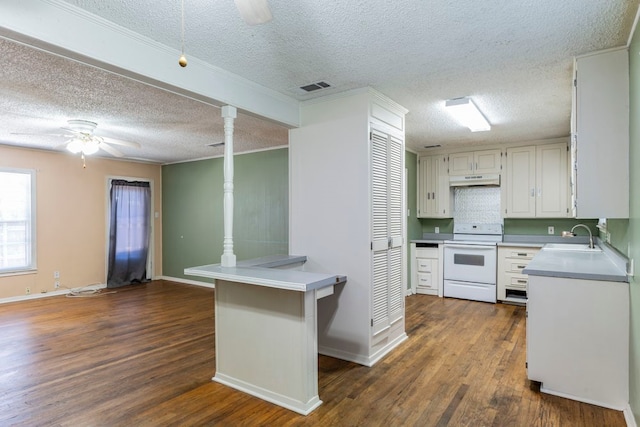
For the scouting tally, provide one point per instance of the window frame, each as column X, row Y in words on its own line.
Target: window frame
column 32, row 266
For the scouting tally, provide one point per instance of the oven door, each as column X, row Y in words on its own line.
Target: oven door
column 470, row 263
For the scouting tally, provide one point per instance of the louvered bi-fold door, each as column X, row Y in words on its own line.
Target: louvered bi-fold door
column 386, row 191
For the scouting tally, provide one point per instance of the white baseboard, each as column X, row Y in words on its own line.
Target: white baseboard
column 609, row 405
column 362, row 359
column 49, row 294
column 187, row 281
column 303, row 408
column 629, row 417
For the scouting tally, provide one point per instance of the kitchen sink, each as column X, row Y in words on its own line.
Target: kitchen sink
column 574, row 247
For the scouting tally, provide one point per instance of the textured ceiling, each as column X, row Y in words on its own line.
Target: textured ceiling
column 513, row 58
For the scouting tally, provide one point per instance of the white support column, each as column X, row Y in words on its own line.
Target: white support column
column 229, row 114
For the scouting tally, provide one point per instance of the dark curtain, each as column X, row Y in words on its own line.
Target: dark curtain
column 129, row 232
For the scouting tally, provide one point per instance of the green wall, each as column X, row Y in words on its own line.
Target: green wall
column 192, row 220
column 519, row 226
column 632, row 235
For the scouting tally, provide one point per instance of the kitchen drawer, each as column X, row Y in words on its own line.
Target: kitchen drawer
column 517, row 281
column 424, row 265
column 521, row 253
column 516, row 266
column 427, row 253
column 425, row 280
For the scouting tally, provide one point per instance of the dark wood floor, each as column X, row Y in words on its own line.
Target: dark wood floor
column 144, row 356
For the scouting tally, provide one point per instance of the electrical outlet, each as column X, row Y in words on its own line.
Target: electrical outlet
column 27, row 291
column 56, row 284
column 56, row 274
column 551, row 229
column 437, row 230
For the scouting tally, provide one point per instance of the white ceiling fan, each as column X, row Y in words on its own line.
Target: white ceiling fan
column 84, row 141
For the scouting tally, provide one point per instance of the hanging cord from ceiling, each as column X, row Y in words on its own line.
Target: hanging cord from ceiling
column 183, row 59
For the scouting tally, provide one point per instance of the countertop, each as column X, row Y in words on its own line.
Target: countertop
column 263, row 272
column 606, row 265
column 521, row 240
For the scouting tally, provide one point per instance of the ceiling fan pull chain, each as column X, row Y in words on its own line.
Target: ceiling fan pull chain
column 84, row 164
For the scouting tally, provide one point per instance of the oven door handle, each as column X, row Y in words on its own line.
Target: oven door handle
column 480, row 247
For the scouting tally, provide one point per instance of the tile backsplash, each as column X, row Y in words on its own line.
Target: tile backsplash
column 477, row 205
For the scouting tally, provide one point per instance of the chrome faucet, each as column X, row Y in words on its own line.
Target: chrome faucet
column 572, row 234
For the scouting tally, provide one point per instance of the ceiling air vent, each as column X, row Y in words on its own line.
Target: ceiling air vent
column 315, row 86
column 216, row 144
column 311, row 88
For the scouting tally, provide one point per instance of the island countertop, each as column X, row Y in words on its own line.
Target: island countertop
column 263, row 272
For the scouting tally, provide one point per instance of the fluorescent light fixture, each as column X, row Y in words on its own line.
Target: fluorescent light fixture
column 254, row 12
column 466, row 112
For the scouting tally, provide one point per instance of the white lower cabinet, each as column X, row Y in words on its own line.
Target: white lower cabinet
column 426, row 268
column 512, row 282
column 578, row 339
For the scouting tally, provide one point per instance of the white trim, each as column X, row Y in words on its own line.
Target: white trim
column 49, row 294
column 629, row 417
column 304, row 408
column 360, row 359
column 633, row 27
column 187, row 281
column 217, row 156
column 33, row 219
column 582, row 399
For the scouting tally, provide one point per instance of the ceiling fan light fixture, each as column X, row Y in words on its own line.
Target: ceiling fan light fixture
column 90, row 146
column 75, row 145
column 254, row 12
column 465, row 111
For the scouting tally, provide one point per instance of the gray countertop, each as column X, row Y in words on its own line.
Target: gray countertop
column 264, row 272
column 605, row 265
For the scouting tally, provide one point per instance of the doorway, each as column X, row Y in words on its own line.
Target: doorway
column 129, row 232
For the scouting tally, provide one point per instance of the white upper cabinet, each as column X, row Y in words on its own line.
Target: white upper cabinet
column 536, row 182
column 434, row 193
column 475, row 162
column 600, row 140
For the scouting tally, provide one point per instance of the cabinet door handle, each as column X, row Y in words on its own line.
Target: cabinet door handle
column 520, row 254
column 522, row 281
column 521, row 266
column 433, row 195
column 539, row 192
column 428, row 196
column 533, row 192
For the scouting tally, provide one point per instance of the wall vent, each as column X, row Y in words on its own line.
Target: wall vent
column 216, row 144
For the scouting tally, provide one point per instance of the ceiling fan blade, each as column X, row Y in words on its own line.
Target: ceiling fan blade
column 109, row 149
column 123, row 143
column 254, row 12
column 40, row 134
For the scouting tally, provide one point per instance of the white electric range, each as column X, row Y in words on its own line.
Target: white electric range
column 470, row 262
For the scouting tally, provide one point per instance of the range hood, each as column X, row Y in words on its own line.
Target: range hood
column 475, row 180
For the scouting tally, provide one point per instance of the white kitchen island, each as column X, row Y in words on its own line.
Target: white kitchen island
column 266, row 328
